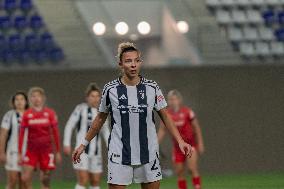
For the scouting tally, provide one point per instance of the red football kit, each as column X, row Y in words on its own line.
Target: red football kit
column 183, row 121
column 42, row 133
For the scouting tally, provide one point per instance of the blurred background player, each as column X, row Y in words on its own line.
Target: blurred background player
column 133, row 146
column 188, row 126
column 9, row 134
column 41, row 125
column 91, row 166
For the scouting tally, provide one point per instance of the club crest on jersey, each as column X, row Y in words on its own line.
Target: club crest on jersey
column 142, row 94
column 46, row 114
column 30, row 115
column 122, row 97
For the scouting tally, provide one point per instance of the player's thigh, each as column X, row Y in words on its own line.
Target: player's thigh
column 27, row 173
column 192, row 162
column 148, row 173
column 13, row 176
column 152, row 185
column 115, row 186
column 82, row 177
column 95, row 178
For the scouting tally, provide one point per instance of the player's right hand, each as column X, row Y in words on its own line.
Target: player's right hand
column 67, row 150
column 77, row 153
column 2, row 158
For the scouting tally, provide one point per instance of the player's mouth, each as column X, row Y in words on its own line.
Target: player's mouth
column 133, row 71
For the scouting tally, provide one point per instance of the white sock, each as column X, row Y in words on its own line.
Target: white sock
column 79, row 187
column 94, row 187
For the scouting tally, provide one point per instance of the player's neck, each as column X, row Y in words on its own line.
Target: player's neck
column 38, row 108
column 130, row 81
column 20, row 110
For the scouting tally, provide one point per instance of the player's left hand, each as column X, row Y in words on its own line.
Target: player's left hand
column 58, row 157
column 185, row 148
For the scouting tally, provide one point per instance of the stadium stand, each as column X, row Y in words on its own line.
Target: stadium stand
column 254, row 27
column 24, row 36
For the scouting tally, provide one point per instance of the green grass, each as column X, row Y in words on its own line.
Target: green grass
column 247, row 181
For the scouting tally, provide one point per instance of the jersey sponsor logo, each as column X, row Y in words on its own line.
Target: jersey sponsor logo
column 132, row 109
column 38, row 121
column 179, row 123
column 122, row 97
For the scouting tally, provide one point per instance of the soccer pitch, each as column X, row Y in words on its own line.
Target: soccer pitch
column 248, row 181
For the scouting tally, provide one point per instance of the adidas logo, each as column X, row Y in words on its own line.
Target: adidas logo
column 122, row 97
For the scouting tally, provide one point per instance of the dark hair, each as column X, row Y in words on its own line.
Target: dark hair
column 92, row 87
column 125, row 47
column 13, row 99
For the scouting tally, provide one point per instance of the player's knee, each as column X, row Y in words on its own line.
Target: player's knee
column 193, row 170
column 25, row 178
column 180, row 173
column 45, row 179
column 95, row 181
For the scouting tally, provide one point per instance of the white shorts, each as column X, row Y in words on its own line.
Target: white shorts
column 126, row 174
column 92, row 164
column 12, row 162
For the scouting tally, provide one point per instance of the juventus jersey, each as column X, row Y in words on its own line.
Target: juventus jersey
column 81, row 119
column 133, row 139
column 11, row 121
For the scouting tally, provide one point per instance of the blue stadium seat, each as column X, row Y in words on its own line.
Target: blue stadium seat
column 36, row 22
column 7, row 56
column 46, row 40
column 20, row 22
column 3, row 42
column 24, row 56
column 15, row 42
column 5, row 22
column 281, row 17
column 10, row 5
column 39, row 55
column 269, row 17
column 279, row 34
column 26, row 5
column 32, row 41
column 56, row 55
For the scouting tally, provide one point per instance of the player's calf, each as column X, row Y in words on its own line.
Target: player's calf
column 45, row 179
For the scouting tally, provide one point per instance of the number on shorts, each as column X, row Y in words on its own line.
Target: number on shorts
column 154, row 166
column 51, row 160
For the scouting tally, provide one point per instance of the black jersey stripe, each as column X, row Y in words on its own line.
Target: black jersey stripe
column 143, row 138
column 89, row 123
column 124, row 114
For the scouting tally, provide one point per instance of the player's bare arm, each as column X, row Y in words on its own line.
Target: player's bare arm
column 169, row 124
column 161, row 132
column 3, row 139
column 93, row 131
column 198, row 133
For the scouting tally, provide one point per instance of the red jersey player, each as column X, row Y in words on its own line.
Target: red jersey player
column 188, row 126
column 39, row 128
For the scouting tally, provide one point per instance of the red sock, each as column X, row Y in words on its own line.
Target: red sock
column 196, row 182
column 182, row 184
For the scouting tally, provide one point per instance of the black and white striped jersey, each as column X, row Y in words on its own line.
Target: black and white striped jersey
column 133, row 139
column 81, row 119
column 11, row 121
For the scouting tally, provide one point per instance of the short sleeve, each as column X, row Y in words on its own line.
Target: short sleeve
column 53, row 119
column 24, row 122
column 105, row 101
column 6, row 121
column 160, row 101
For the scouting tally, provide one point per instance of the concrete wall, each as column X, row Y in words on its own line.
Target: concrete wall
column 240, row 110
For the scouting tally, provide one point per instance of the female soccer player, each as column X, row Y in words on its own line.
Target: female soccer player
column 9, row 138
column 133, row 145
column 188, row 127
column 90, row 168
column 41, row 125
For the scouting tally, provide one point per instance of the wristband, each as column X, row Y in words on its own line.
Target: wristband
column 85, row 142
